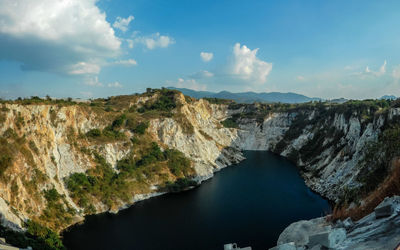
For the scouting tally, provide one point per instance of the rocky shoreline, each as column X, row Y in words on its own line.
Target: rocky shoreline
column 378, row 230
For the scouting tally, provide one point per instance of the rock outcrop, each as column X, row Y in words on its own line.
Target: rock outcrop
column 371, row 232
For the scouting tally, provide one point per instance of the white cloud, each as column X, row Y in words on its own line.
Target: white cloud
column 67, row 37
column 247, row 66
column 396, row 72
column 127, row 63
column 189, row 84
column 123, row 23
column 369, row 72
column 131, row 43
column 202, row 74
column 114, row 85
column 153, row 41
column 93, row 81
column 206, row 56
column 300, row 78
column 83, row 68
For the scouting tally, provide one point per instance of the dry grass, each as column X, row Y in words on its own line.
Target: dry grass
column 389, row 187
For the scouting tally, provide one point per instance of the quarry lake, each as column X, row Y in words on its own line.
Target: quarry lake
column 249, row 203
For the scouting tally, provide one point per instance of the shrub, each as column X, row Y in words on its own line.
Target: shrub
column 50, row 238
column 118, row 122
column 179, row 185
column 52, row 195
column 141, row 128
column 229, row 123
column 94, row 133
column 177, row 162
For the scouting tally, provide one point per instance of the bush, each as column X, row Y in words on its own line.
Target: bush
column 141, row 128
column 25, row 239
column 94, row 133
column 45, row 234
column 118, row 122
column 177, row 162
column 52, row 195
column 229, row 123
column 179, row 185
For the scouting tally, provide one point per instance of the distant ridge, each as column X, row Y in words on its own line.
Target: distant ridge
column 249, row 97
column 388, row 97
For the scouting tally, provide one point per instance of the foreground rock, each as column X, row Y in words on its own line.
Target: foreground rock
column 374, row 231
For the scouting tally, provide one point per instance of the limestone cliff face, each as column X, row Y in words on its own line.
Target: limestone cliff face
column 46, row 152
column 206, row 142
column 49, row 147
column 327, row 151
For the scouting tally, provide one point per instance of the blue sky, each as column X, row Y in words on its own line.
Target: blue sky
column 88, row 48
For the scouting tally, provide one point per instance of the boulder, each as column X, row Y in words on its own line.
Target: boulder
column 318, row 247
column 384, row 209
column 348, row 223
column 300, row 231
column 329, row 238
column 286, row 246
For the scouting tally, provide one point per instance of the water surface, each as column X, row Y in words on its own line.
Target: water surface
column 249, row 203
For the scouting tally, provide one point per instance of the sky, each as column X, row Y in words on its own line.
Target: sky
column 89, row 48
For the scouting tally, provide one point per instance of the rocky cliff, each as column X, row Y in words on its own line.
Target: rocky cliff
column 62, row 160
column 327, row 143
column 46, row 143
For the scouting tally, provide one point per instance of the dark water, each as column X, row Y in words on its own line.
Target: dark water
column 250, row 204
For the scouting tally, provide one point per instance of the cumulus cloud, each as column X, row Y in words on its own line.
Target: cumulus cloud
column 153, row 41
column 70, row 37
column 83, row 68
column 127, row 63
column 189, row 84
column 123, row 23
column 206, row 56
column 114, row 85
column 247, row 66
column 369, row 72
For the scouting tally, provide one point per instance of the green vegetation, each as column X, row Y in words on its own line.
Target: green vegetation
column 230, row 123
column 58, row 213
column 44, row 234
column 37, row 237
column 178, row 163
column 180, row 185
column 110, row 187
column 378, row 159
column 6, row 157
column 141, row 128
column 165, row 102
column 109, row 133
column 218, row 101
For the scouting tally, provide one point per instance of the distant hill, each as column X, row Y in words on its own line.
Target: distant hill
column 339, row 100
column 249, row 97
column 388, row 97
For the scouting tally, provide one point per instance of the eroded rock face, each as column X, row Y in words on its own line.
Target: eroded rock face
column 334, row 167
column 368, row 233
column 198, row 133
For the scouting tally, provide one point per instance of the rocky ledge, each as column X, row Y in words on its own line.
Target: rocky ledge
column 378, row 230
